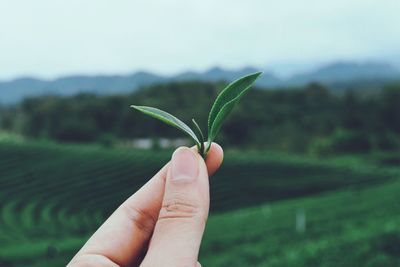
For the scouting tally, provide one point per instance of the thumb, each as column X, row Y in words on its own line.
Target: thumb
column 180, row 226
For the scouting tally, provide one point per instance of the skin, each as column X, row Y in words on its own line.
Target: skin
column 162, row 224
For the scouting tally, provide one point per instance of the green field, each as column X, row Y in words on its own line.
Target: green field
column 53, row 197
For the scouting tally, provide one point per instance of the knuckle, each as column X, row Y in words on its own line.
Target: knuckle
column 91, row 260
column 178, row 209
column 142, row 219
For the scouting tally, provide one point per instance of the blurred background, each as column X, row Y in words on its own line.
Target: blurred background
column 311, row 170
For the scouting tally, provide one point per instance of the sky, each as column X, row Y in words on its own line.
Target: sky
column 52, row 38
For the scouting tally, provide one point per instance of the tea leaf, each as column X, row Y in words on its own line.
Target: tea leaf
column 223, row 105
column 200, row 136
column 225, row 102
column 169, row 119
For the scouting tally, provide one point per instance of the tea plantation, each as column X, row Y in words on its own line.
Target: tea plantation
column 52, row 197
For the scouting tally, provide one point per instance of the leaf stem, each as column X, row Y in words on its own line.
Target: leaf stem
column 200, row 136
column 209, row 142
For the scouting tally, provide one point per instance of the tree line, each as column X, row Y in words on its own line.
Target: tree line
column 308, row 119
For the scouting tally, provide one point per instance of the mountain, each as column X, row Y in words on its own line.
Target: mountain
column 14, row 91
column 217, row 74
column 348, row 72
column 337, row 75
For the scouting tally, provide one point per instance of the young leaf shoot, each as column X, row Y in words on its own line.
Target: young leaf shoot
column 220, row 110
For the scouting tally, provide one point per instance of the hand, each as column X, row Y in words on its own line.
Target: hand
column 162, row 224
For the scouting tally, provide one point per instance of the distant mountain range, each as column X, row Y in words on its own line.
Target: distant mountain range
column 335, row 75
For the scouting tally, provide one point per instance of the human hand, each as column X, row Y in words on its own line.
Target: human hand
column 162, row 224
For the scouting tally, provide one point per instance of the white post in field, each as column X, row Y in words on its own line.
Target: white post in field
column 301, row 220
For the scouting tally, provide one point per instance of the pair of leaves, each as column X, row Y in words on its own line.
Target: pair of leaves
column 220, row 110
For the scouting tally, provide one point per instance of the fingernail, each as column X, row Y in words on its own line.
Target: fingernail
column 184, row 165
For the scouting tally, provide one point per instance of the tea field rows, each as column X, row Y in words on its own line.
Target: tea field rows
column 52, row 197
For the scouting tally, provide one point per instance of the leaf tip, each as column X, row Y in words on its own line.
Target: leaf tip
column 135, row 107
column 258, row 73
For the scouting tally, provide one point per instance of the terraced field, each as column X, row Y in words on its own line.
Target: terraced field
column 348, row 228
column 53, row 197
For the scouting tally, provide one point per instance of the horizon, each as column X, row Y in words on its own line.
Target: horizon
column 41, row 41
column 303, row 69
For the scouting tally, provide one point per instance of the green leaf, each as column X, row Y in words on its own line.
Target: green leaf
column 200, row 136
column 225, row 102
column 169, row 119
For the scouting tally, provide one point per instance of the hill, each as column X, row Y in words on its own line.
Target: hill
column 335, row 75
column 15, row 90
column 370, row 76
column 348, row 71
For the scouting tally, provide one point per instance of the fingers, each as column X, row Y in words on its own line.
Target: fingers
column 123, row 235
column 214, row 158
column 181, row 221
column 127, row 231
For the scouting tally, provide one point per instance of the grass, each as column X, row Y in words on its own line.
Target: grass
column 347, row 228
column 52, row 197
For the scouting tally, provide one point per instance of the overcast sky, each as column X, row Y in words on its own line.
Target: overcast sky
column 51, row 38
